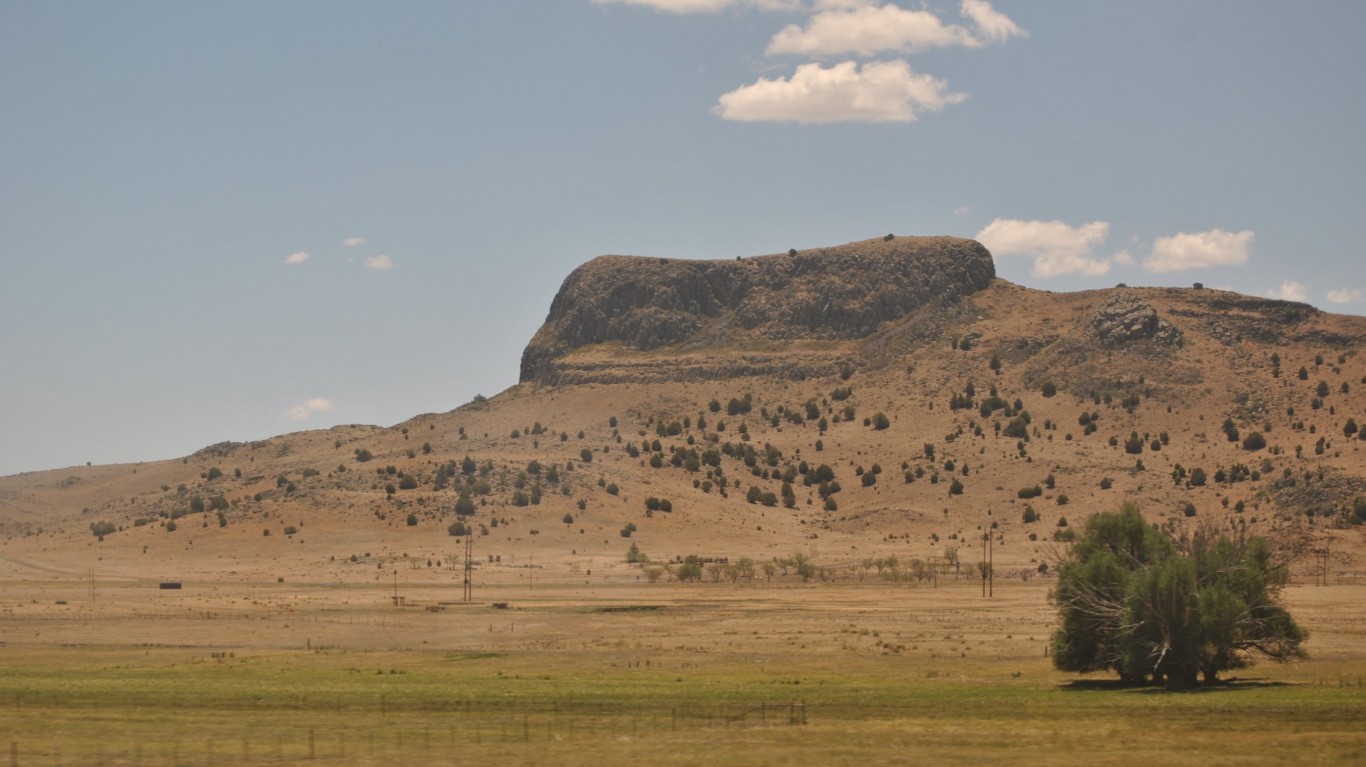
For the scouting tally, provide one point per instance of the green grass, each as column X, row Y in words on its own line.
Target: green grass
column 163, row 706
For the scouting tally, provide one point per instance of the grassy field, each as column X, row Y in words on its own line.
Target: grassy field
column 263, row 674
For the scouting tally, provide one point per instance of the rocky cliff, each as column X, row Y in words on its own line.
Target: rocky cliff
column 834, row 293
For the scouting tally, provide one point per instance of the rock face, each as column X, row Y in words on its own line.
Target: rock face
column 1126, row 317
column 823, row 294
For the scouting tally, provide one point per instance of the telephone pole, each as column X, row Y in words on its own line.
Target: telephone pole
column 469, row 567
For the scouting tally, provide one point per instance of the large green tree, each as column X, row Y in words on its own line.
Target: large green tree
column 1155, row 607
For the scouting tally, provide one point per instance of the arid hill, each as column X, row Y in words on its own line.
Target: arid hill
column 827, row 294
column 889, row 398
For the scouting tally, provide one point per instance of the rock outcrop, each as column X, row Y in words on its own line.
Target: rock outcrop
column 822, row 294
column 1125, row 317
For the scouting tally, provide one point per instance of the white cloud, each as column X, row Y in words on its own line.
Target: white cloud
column 708, row 6
column 962, row 211
column 1199, row 251
column 1057, row 248
column 380, row 262
column 992, row 25
column 1289, row 291
column 1122, row 258
column 880, row 91
column 866, row 29
column 353, row 242
column 294, row 259
column 1344, row 296
column 869, row 30
column 304, row 411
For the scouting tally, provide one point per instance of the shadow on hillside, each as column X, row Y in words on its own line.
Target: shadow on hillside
column 1232, row 684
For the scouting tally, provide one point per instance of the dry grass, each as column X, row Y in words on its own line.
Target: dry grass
column 664, row 673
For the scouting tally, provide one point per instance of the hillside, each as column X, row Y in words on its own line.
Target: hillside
column 934, row 394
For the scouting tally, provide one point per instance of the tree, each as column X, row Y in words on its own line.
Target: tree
column 465, row 505
column 1153, row 607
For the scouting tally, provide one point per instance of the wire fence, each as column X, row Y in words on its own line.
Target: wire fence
column 455, row 736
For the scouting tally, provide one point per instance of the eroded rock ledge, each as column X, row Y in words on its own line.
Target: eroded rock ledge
column 837, row 293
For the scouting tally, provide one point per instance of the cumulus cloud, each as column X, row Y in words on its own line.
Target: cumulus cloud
column 866, row 29
column 353, row 242
column 306, row 410
column 707, row 6
column 379, row 263
column 1122, row 258
column 879, row 91
column 1057, row 248
column 1344, row 296
column 1199, row 250
column 296, row 258
column 1289, row 290
column 992, row 25
column 869, row 30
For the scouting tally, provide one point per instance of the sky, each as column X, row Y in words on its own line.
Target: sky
column 229, row 221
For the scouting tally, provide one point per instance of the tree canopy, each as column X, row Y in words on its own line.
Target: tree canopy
column 1155, row 607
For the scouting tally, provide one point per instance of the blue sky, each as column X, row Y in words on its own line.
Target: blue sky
column 235, row 220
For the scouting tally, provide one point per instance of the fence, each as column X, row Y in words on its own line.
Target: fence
column 453, row 736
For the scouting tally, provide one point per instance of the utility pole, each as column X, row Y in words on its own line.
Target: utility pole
column 469, row 567
column 986, row 536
